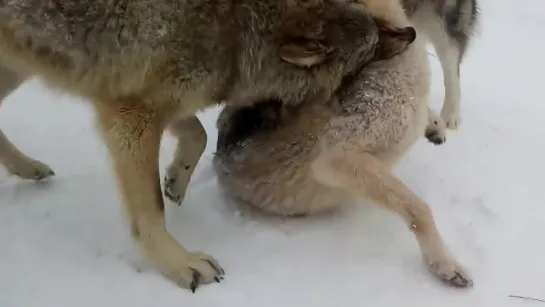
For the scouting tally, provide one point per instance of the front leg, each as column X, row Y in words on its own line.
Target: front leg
column 191, row 144
column 436, row 129
column 132, row 133
column 12, row 158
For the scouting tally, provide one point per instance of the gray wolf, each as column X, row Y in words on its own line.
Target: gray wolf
column 147, row 66
column 303, row 159
column 449, row 25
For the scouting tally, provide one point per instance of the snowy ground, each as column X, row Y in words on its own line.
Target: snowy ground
column 62, row 243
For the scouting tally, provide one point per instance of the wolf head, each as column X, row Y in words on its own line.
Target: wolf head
column 297, row 50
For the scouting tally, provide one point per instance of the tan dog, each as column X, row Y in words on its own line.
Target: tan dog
column 309, row 158
column 147, row 65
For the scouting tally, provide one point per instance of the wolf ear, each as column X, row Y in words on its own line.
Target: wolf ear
column 392, row 40
column 304, row 52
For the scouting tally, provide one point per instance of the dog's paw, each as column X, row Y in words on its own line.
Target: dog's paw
column 188, row 270
column 451, row 273
column 31, row 169
column 197, row 269
column 436, row 132
column 451, row 118
column 175, row 183
column 172, row 191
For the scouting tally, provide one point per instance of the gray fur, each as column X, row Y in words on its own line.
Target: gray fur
column 149, row 65
column 232, row 49
column 458, row 17
column 313, row 157
column 450, row 26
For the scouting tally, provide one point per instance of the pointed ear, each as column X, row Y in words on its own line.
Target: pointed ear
column 304, row 52
column 392, row 40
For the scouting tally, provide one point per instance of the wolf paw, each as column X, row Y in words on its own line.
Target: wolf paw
column 451, row 117
column 199, row 269
column 436, row 132
column 451, row 273
column 31, row 169
column 175, row 183
column 188, row 270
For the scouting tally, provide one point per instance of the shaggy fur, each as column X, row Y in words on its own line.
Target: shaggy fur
column 312, row 157
column 147, row 65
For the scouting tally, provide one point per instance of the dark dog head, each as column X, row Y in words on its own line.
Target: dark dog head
column 296, row 50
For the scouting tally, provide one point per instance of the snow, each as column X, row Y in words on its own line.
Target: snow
column 64, row 242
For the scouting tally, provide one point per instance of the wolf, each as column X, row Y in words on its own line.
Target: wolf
column 149, row 66
column 450, row 26
column 296, row 160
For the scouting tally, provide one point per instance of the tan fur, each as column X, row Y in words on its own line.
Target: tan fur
column 149, row 65
column 313, row 157
column 15, row 161
column 188, row 150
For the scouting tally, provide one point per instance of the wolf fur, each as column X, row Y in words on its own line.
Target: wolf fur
column 310, row 158
column 449, row 25
column 146, row 66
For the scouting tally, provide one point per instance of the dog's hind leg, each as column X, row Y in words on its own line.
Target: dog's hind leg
column 191, row 144
column 450, row 32
column 449, row 54
column 15, row 161
column 363, row 175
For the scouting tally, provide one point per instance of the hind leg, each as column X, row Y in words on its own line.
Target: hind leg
column 363, row 175
column 449, row 53
column 191, row 144
column 15, row 161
